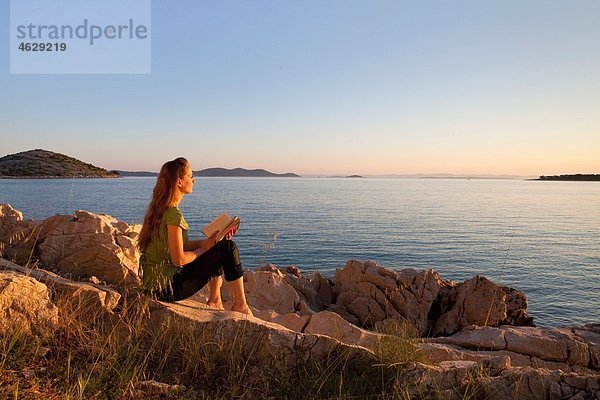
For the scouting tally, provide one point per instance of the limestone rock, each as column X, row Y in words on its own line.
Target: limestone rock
column 536, row 342
column 324, row 323
column 493, row 379
column 367, row 293
column 333, row 325
column 591, row 336
column 316, row 291
column 479, row 301
column 268, row 291
column 80, row 294
column 17, row 239
column 92, row 245
column 270, row 268
column 153, row 388
column 478, row 338
column 292, row 321
column 260, row 340
column 323, row 287
column 25, row 305
column 305, row 290
column 562, row 349
column 437, row 352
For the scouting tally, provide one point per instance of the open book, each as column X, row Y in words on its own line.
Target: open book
column 222, row 224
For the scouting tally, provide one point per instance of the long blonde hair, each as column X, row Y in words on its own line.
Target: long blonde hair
column 162, row 197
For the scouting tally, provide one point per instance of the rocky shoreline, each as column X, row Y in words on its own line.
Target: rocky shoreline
column 464, row 327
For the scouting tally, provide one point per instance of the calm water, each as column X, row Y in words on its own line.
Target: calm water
column 540, row 237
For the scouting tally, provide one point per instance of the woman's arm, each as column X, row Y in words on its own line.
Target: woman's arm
column 206, row 244
column 179, row 255
column 196, row 244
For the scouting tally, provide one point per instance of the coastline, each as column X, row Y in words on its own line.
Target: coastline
column 409, row 332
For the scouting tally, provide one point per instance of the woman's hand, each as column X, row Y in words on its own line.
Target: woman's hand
column 231, row 233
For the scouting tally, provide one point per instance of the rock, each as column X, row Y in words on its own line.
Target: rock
column 528, row 383
column 153, row 388
column 292, row 321
column 293, row 270
column 478, row 338
column 592, row 328
column 333, row 325
column 591, row 337
column 367, row 293
column 438, row 352
column 92, row 245
column 315, row 292
column 80, row 294
column 85, row 244
column 260, row 341
column 364, row 294
column 491, row 379
column 270, row 268
column 16, row 236
column 497, row 364
column 534, row 342
column 479, row 301
column 305, row 290
column 25, row 305
column 516, row 308
column 268, row 291
column 446, row 380
column 324, row 323
column 550, row 365
column 552, row 348
column 323, row 288
column 554, row 392
column 577, row 350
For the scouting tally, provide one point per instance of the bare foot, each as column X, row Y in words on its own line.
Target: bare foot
column 215, row 304
column 244, row 309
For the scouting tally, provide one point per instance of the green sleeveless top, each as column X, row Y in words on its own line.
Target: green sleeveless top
column 157, row 267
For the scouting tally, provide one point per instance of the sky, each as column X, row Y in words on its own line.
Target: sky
column 324, row 87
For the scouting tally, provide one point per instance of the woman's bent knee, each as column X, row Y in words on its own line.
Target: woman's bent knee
column 228, row 245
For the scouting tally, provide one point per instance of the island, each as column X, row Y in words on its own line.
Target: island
column 221, row 172
column 40, row 163
column 570, row 177
column 241, row 172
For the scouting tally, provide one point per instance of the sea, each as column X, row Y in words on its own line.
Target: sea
column 542, row 238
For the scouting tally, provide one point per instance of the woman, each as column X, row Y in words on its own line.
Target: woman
column 174, row 267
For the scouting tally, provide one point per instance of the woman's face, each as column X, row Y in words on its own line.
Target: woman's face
column 188, row 181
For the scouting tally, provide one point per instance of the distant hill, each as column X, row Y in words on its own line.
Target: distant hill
column 241, row 172
column 571, row 177
column 221, row 172
column 135, row 173
column 47, row 164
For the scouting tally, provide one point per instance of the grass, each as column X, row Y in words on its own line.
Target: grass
column 99, row 355
column 104, row 356
column 398, row 344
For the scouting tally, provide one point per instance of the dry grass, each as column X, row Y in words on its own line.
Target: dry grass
column 102, row 356
column 398, row 345
column 93, row 354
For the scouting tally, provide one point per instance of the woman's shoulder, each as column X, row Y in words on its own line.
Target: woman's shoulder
column 173, row 210
column 172, row 213
column 173, row 216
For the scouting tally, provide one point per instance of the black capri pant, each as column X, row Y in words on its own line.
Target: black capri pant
column 222, row 258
